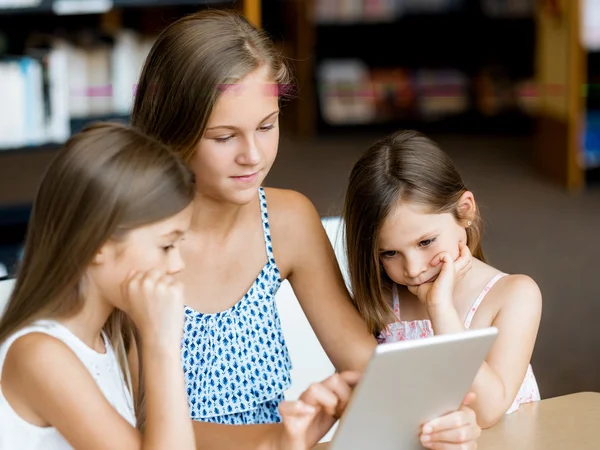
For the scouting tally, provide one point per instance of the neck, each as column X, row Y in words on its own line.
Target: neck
column 214, row 216
column 87, row 324
column 465, row 286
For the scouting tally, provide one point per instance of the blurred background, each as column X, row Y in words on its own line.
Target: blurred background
column 507, row 87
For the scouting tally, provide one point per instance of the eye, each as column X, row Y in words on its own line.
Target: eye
column 427, row 242
column 224, row 139
column 168, row 248
column 267, row 127
column 389, row 254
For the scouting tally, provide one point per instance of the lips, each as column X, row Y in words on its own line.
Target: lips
column 246, row 177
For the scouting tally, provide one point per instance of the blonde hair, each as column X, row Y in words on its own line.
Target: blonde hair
column 191, row 63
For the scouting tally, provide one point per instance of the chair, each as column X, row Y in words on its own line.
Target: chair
column 6, row 287
column 309, row 360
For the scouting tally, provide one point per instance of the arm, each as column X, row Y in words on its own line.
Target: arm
column 502, row 374
column 210, row 436
column 304, row 421
column 306, row 255
column 46, row 379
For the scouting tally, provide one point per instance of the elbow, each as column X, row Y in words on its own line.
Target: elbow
column 486, row 421
column 489, row 415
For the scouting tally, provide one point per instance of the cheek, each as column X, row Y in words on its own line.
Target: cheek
column 449, row 245
column 393, row 268
column 211, row 160
column 270, row 144
column 141, row 259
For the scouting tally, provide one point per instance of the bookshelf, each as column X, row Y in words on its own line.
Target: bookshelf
column 35, row 36
column 64, row 64
column 437, row 65
column 567, row 150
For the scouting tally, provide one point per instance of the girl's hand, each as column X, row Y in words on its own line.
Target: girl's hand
column 453, row 431
column 437, row 295
column 463, row 263
column 154, row 301
column 307, row 420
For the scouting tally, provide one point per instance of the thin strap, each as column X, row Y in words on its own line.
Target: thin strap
column 396, row 301
column 480, row 298
column 265, row 222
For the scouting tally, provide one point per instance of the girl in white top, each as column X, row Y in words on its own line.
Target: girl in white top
column 414, row 243
column 98, row 278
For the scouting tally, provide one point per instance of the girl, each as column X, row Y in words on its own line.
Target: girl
column 210, row 89
column 103, row 248
column 408, row 215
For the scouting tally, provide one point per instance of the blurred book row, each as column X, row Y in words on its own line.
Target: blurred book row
column 590, row 145
column 19, row 3
column 352, row 93
column 58, row 80
column 348, row 11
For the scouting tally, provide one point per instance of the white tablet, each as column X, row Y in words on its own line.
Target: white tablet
column 407, row 384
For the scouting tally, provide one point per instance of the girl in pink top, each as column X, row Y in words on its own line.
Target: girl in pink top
column 413, row 234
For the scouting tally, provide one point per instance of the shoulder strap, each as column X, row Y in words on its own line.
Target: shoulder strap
column 480, row 298
column 265, row 222
column 396, row 300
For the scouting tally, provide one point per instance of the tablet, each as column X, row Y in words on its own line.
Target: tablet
column 408, row 383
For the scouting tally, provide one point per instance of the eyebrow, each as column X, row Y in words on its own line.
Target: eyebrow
column 173, row 234
column 422, row 238
column 231, row 127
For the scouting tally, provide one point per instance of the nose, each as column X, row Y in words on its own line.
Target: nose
column 414, row 266
column 249, row 155
column 175, row 263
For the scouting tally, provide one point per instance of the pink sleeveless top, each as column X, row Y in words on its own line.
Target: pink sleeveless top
column 419, row 329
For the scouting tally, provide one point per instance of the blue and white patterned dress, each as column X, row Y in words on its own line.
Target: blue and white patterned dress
column 236, row 362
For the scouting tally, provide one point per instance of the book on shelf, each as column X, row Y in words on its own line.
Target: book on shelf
column 350, row 92
column 59, row 79
column 365, row 11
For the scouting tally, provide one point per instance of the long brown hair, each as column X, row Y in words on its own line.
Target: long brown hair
column 192, row 61
column 106, row 180
column 405, row 166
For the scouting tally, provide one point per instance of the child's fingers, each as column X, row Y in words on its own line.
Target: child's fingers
column 447, row 265
column 436, row 260
column 296, row 409
column 351, row 377
column 319, row 396
column 455, row 437
column 338, row 386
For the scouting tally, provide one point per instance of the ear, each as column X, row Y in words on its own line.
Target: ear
column 466, row 208
column 102, row 256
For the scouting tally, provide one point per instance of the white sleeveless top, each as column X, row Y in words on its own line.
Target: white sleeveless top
column 420, row 329
column 16, row 433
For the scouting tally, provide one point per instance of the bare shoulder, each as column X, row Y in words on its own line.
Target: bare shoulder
column 283, row 203
column 33, row 355
column 33, row 363
column 517, row 293
column 296, row 229
column 291, row 213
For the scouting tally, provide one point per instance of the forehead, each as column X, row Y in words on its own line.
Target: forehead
column 408, row 222
column 251, row 99
column 178, row 222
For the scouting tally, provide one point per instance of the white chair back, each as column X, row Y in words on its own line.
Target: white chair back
column 310, row 363
column 6, row 288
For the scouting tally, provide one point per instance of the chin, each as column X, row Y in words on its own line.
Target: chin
column 242, row 197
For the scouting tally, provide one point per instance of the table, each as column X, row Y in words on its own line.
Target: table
column 567, row 422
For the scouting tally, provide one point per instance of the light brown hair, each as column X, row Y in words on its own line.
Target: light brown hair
column 191, row 63
column 403, row 167
column 106, row 180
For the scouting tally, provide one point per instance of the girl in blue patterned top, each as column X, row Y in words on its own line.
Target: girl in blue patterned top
column 210, row 89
